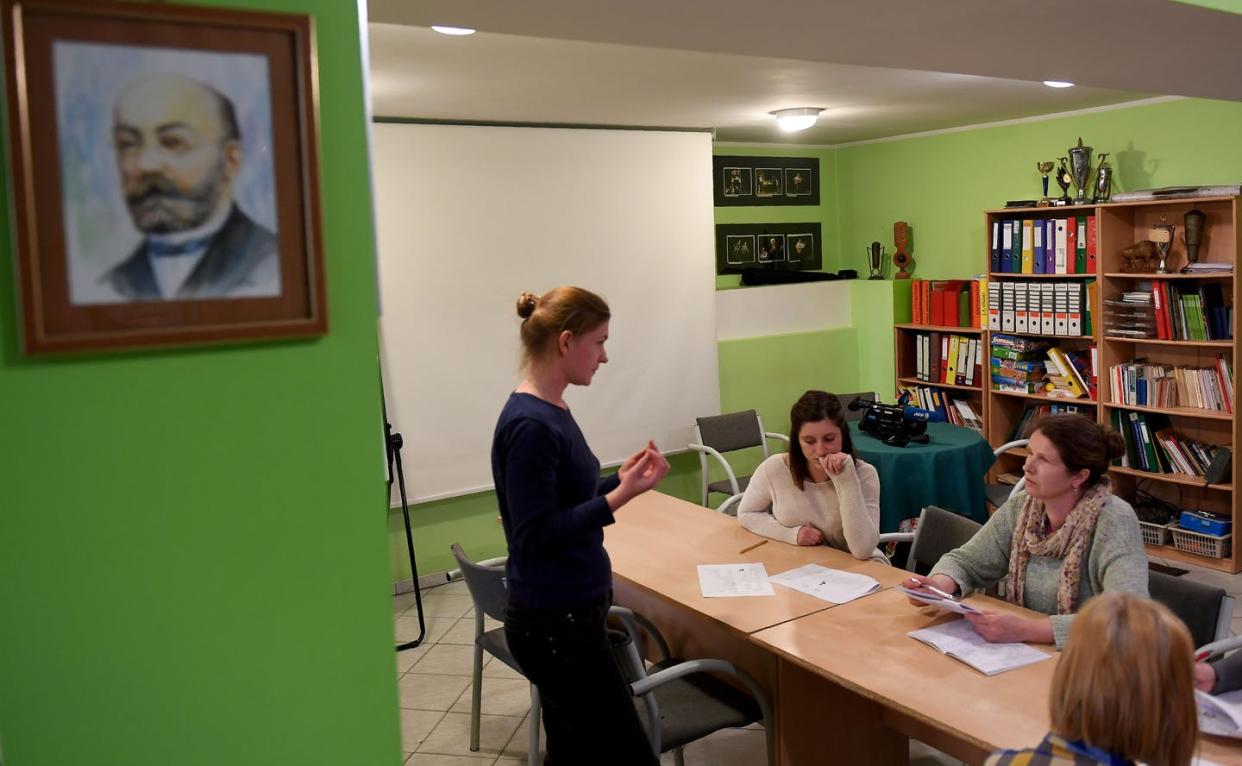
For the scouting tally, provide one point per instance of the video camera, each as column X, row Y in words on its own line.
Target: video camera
column 896, row 425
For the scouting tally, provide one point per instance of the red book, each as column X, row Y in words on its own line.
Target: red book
column 1091, row 247
column 916, row 301
column 1162, row 323
column 939, row 299
column 1071, row 245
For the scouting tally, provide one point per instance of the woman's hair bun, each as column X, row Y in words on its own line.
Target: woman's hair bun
column 1114, row 444
column 526, row 304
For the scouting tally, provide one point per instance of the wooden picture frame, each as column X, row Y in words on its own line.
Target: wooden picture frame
column 165, row 174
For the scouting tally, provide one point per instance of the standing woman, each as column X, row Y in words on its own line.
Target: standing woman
column 554, row 508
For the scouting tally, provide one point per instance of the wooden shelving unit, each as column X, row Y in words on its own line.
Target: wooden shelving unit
column 1118, row 226
column 904, row 337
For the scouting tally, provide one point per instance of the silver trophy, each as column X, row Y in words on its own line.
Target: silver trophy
column 1080, row 167
column 875, row 260
column 1103, row 180
column 1162, row 237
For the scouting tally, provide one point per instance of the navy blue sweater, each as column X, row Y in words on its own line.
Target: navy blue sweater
column 552, row 505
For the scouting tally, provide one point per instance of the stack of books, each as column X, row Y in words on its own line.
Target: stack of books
column 1034, row 412
column 947, row 302
column 1152, row 445
column 1191, row 312
column 954, row 410
column 1017, row 364
column 1141, row 384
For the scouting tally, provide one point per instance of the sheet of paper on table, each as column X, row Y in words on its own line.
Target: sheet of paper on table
column 726, row 580
column 832, row 585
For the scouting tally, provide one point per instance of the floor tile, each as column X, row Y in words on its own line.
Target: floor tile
column 509, row 762
column 447, row 606
column 407, row 657
column 517, row 745
column 435, row 759
column 430, row 692
column 501, row 696
column 728, row 747
column 416, row 725
column 452, row 735
column 448, row 660
column 403, row 601
column 405, row 628
column 456, row 588
column 497, row 669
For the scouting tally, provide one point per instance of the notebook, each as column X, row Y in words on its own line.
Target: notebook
column 959, row 640
column 950, row 604
column 1222, row 714
column 832, row 585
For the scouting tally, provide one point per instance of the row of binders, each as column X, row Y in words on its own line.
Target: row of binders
column 948, row 359
column 947, row 302
column 953, row 409
column 1044, row 246
column 1166, row 311
column 1042, row 308
column 1152, row 445
column 1142, row 384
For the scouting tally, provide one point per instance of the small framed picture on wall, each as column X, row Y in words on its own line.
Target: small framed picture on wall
column 739, row 180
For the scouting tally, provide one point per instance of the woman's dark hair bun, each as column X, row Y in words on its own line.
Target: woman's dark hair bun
column 1113, row 443
column 526, row 304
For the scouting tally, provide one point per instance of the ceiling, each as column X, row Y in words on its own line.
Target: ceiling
column 880, row 68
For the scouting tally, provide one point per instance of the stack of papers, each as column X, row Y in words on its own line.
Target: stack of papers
column 959, row 640
column 949, row 604
column 724, row 580
column 831, row 585
column 1222, row 714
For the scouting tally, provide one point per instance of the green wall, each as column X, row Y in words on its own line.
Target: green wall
column 192, row 544
column 941, row 184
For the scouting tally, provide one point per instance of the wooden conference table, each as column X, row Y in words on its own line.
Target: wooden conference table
column 846, row 683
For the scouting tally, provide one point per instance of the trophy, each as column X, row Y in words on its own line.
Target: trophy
column 875, row 260
column 1103, row 180
column 902, row 259
column 1063, row 180
column 1162, row 236
column 1192, row 233
column 1045, row 168
column 1080, row 166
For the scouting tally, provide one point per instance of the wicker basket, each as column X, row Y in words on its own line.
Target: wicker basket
column 1199, row 543
column 1157, row 534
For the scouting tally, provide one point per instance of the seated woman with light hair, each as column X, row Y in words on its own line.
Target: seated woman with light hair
column 1122, row 692
column 819, row 493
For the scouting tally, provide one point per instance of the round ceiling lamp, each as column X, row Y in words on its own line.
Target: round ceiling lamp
column 799, row 118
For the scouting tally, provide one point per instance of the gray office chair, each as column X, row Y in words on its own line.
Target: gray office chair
column 683, row 701
column 726, row 433
column 1207, row 611
column 997, row 494
column 486, row 582
column 938, row 532
column 853, row 416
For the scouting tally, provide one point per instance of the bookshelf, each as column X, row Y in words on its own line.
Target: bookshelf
column 905, row 347
column 1120, row 225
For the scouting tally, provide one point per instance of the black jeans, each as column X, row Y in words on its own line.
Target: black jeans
column 588, row 711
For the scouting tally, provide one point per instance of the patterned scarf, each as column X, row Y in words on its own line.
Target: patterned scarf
column 1031, row 537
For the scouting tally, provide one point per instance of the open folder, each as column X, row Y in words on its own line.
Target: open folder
column 959, row 640
column 1220, row 715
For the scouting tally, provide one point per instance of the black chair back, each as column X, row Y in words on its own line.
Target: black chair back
column 736, row 430
column 1197, row 605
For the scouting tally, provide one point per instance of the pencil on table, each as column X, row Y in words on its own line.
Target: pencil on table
column 751, row 547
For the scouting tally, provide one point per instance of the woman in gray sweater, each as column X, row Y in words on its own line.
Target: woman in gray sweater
column 1064, row 539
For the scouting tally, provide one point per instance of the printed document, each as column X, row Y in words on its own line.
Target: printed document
column 1222, row 714
column 960, row 641
column 931, row 599
column 832, row 585
column 724, row 580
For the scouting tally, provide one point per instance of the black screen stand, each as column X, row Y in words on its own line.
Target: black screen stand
column 393, row 443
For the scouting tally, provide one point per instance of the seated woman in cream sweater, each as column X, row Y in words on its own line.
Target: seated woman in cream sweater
column 818, row 492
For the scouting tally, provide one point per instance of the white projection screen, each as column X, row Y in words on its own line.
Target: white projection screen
column 469, row 216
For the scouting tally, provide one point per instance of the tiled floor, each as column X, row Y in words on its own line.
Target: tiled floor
column 433, row 682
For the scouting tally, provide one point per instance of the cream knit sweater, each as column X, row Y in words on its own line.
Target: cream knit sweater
column 846, row 507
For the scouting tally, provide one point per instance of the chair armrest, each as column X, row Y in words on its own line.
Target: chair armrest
column 728, row 505
column 706, row 450
column 496, row 563
column 631, row 619
column 1010, row 445
column 778, row 437
column 896, row 537
column 1217, row 648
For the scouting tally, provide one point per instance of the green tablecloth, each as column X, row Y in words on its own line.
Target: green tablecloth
column 947, row 472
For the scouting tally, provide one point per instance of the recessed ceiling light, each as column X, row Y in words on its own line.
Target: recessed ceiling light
column 799, row 118
column 453, row 30
column 1058, row 84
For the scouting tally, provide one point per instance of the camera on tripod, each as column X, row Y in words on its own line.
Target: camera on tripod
column 896, row 425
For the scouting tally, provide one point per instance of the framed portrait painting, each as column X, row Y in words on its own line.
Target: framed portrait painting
column 165, row 174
